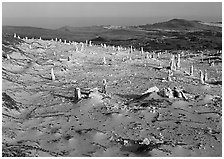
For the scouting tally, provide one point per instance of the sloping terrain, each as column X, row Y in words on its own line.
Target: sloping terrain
column 176, row 34
column 41, row 117
column 181, row 25
column 217, row 24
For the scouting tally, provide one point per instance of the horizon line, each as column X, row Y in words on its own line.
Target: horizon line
column 91, row 25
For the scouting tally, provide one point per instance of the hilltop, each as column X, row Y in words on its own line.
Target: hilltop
column 182, row 25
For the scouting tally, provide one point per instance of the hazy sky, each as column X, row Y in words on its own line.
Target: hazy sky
column 57, row 14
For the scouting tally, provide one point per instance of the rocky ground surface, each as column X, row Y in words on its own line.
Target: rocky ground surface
column 40, row 116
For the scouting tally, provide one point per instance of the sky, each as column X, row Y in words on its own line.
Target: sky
column 58, row 14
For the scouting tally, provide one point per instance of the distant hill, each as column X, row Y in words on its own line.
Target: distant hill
column 91, row 32
column 171, row 35
column 34, row 32
column 89, row 29
column 75, row 33
column 68, row 33
column 180, row 25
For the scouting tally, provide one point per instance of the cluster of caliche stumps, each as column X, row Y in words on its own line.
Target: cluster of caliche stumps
column 174, row 64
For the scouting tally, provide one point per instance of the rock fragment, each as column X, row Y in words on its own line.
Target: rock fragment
column 166, row 92
column 177, row 93
column 152, row 89
column 8, row 57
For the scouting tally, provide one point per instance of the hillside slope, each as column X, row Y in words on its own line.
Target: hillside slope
column 181, row 25
column 171, row 35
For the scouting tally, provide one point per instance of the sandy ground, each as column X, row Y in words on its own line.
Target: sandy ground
column 41, row 117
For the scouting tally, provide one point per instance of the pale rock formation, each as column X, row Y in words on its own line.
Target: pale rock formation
column 201, row 77
column 191, row 70
column 77, row 94
column 52, row 74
